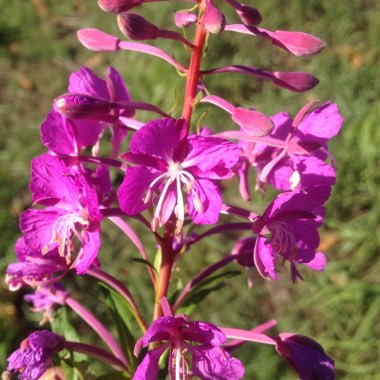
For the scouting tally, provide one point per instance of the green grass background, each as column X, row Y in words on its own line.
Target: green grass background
column 340, row 307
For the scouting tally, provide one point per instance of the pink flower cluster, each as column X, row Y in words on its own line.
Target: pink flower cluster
column 171, row 180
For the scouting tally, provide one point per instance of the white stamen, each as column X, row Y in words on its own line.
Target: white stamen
column 62, row 229
column 294, row 179
column 177, row 364
column 162, row 198
column 180, row 205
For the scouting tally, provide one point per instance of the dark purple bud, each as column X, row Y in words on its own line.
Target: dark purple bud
column 298, row 43
column 252, row 122
column 214, row 19
column 79, row 106
column 306, row 356
column 118, row 6
column 97, row 40
column 136, row 27
column 249, row 15
column 184, row 19
column 295, row 81
column 243, row 250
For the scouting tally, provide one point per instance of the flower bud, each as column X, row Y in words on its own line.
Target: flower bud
column 118, row 6
column 184, row 19
column 295, row 81
column 136, row 27
column 249, row 15
column 298, row 43
column 243, row 249
column 79, row 106
column 306, row 356
column 97, row 40
column 214, row 19
column 252, row 122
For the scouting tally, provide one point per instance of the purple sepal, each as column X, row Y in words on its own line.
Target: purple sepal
column 306, row 356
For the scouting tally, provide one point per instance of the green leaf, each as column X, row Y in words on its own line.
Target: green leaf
column 146, row 262
column 204, row 288
column 123, row 316
column 114, row 376
column 74, row 370
column 158, row 260
column 63, row 326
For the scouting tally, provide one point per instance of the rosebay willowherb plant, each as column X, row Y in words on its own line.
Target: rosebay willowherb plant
column 172, row 172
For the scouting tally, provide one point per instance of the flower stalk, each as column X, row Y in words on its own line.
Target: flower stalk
column 193, row 72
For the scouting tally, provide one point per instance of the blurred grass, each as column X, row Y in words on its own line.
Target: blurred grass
column 339, row 308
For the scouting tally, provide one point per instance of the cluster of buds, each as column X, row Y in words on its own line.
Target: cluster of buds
column 171, row 184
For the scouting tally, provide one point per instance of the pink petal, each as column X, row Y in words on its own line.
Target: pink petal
column 133, row 190
column 211, row 200
column 157, row 138
column 264, row 258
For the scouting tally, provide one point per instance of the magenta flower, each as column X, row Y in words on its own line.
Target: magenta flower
column 112, row 89
column 306, row 356
column 67, row 136
column 170, row 163
column 73, row 211
column 195, row 350
column 33, row 357
column 294, row 155
column 32, row 269
column 301, row 162
column 46, row 299
column 29, row 274
column 288, row 230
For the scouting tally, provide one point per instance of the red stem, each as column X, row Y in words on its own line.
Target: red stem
column 193, row 72
column 167, row 261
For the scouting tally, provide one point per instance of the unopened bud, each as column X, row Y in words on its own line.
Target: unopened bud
column 136, row 27
column 214, row 19
column 118, row 6
column 184, row 19
column 78, row 106
column 249, row 15
column 243, row 250
column 298, row 43
column 97, row 40
column 253, row 122
column 295, row 81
